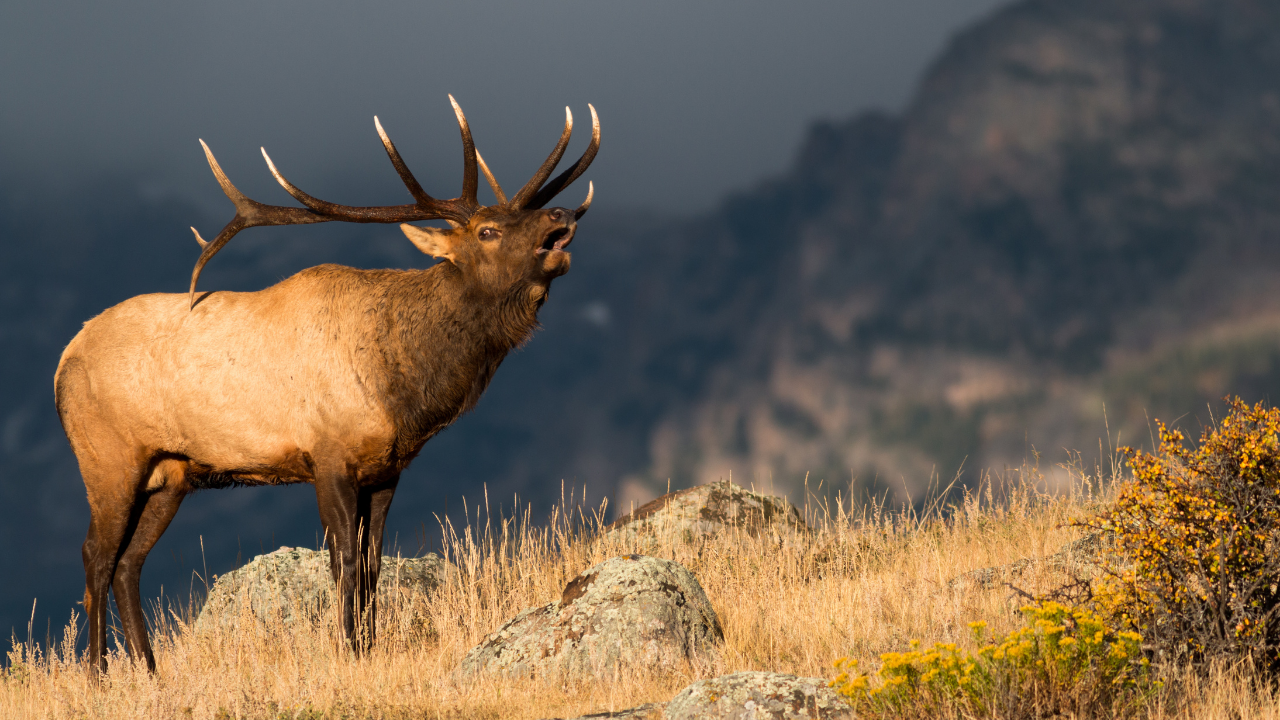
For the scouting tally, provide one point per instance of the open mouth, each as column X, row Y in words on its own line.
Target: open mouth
column 557, row 239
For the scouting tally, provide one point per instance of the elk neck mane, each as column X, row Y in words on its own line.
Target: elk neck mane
column 439, row 339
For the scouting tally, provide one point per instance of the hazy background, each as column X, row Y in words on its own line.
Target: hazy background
column 100, row 173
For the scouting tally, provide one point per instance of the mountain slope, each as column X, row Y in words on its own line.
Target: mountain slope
column 1079, row 202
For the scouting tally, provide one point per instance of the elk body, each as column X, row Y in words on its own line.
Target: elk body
column 334, row 377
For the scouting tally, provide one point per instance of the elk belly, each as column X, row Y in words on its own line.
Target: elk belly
column 292, row 466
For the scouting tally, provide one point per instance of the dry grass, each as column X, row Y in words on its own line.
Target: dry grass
column 863, row 583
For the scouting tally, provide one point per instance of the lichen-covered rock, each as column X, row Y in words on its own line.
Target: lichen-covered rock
column 758, row 696
column 1075, row 559
column 629, row 611
column 704, row 510
column 648, row 711
column 296, row 582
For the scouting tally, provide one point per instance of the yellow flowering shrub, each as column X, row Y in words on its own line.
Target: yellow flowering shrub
column 1062, row 660
column 1195, row 562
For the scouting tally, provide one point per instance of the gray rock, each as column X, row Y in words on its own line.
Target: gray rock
column 648, row 711
column 293, row 583
column 629, row 611
column 702, row 511
column 758, row 696
column 1078, row 558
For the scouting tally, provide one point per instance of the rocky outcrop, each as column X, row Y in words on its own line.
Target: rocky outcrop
column 743, row 696
column 629, row 611
column 1075, row 559
column 759, row 696
column 295, row 583
column 705, row 510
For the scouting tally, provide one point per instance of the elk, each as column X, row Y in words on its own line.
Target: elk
column 335, row 376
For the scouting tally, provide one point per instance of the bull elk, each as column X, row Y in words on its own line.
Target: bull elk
column 335, row 376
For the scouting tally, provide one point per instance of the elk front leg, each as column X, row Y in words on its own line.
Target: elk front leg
column 338, row 498
column 374, row 503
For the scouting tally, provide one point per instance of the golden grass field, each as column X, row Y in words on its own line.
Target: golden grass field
column 864, row 582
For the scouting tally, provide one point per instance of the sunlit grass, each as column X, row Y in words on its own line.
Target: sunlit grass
column 864, row 582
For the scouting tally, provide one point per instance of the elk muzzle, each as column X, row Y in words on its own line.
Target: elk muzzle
column 561, row 233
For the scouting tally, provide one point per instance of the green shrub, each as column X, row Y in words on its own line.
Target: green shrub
column 1064, row 660
column 1195, row 562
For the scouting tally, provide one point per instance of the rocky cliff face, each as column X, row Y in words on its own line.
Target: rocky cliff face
column 1078, row 210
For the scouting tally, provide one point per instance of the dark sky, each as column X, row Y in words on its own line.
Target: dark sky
column 695, row 98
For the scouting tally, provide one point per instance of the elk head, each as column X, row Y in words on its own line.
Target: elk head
column 501, row 252
column 497, row 247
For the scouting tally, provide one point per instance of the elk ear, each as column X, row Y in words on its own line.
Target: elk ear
column 432, row 241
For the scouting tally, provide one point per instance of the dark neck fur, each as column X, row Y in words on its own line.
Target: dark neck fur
column 441, row 339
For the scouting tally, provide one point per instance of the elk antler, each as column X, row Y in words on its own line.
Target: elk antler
column 548, row 165
column 535, row 195
column 561, row 181
column 493, row 182
column 250, row 213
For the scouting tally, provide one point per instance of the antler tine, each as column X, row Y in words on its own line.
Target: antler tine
column 493, row 182
column 210, row 249
column 470, row 179
column 248, row 214
column 531, row 187
column 406, row 177
column 586, row 204
column 236, row 197
column 316, row 204
column 563, row 180
column 432, row 209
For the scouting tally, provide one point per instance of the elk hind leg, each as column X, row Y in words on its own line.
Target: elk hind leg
column 166, row 487
column 110, row 517
column 97, row 583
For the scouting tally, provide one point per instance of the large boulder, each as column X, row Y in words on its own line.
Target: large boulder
column 705, row 510
column 758, row 696
column 630, row 611
column 294, row 583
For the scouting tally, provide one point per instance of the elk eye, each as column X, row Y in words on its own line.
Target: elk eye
column 488, row 234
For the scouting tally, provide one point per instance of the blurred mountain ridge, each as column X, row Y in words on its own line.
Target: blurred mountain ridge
column 1076, row 212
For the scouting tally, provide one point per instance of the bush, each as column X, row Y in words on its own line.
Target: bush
column 1195, row 562
column 1064, row 660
